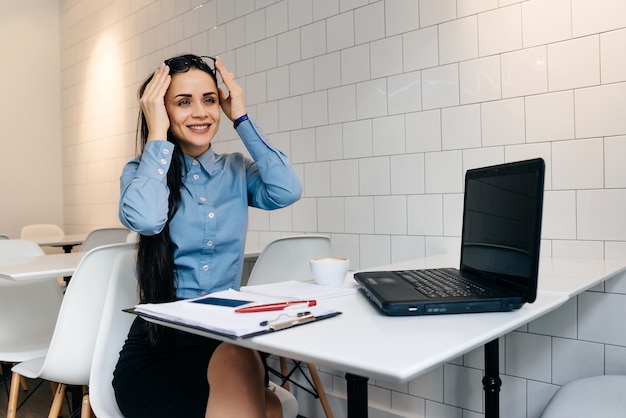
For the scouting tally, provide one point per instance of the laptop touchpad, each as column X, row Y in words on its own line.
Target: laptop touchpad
column 392, row 288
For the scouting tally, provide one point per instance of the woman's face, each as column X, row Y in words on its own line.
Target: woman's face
column 192, row 104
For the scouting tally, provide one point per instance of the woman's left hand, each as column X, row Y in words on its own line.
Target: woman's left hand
column 232, row 104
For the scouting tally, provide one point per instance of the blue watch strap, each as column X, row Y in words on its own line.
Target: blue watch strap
column 240, row 119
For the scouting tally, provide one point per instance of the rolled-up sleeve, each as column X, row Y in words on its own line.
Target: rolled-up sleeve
column 271, row 179
column 143, row 204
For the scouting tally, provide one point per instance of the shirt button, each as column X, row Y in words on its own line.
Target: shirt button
column 202, row 200
column 160, row 171
column 166, row 151
column 163, row 161
column 203, row 293
column 211, row 215
column 209, row 243
column 194, row 162
column 196, row 177
column 205, row 267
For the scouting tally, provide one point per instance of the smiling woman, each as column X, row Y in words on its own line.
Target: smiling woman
column 190, row 207
column 193, row 110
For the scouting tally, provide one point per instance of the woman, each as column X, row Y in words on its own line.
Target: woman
column 189, row 205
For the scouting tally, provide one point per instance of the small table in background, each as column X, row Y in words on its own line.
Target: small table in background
column 40, row 267
column 67, row 242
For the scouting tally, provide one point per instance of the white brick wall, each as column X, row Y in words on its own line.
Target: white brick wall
column 382, row 106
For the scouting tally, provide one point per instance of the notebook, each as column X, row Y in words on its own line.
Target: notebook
column 294, row 290
column 500, row 240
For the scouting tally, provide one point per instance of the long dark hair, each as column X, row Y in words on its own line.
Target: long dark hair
column 156, row 269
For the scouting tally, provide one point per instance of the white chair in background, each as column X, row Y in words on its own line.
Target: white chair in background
column 112, row 332
column 15, row 248
column 104, row 236
column 287, row 258
column 69, row 357
column 600, row 396
column 28, row 310
column 39, row 231
column 132, row 237
column 2, row 236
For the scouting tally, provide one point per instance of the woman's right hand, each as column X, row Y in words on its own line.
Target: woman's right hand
column 152, row 103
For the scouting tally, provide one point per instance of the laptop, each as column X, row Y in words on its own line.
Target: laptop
column 499, row 263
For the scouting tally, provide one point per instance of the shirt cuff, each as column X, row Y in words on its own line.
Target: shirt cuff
column 156, row 159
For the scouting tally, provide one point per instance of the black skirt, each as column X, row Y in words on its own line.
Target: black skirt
column 166, row 380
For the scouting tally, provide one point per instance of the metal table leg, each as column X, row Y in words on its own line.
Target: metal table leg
column 492, row 381
column 357, row 396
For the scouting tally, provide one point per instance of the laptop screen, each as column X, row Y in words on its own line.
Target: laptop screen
column 502, row 224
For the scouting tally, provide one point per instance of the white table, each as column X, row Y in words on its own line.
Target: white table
column 367, row 344
column 572, row 276
column 67, row 242
column 40, row 267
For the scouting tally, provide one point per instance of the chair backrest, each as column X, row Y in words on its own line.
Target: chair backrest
column 287, row 258
column 12, row 248
column 2, row 236
column 104, row 236
column 71, row 349
column 132, row 237
column 112, row 333
column 29, row 311
column 41, row 231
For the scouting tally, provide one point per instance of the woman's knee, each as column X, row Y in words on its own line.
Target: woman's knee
column 234, row 360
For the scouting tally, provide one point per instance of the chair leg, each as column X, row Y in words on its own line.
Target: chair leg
column 23, row 383
column 284, row 370
column 13, row 395
column 85, row 410
column 320, row 391
column 57, row 402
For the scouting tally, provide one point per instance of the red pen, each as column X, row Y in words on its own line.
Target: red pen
column 278, row 306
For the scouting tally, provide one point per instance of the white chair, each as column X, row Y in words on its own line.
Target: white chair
column 287, row 258
column 13, row 248
column 104, row 236
column 114, row 326
column 600, row 396
column 132, row 237
column 112, row 332
column 2, row 236
column 68, row 360
column 28, row 311
column 41, row 231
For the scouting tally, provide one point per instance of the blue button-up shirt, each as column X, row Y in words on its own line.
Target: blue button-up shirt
column 209, row 229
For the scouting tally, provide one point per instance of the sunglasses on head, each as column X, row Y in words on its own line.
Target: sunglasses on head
column 183, row 63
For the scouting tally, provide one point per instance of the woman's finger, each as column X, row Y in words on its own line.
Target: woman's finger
column 153, row 103
column 233, row 103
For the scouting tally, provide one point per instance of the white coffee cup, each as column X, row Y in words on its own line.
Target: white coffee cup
column 329, row 271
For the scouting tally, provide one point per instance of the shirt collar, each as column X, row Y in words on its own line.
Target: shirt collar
column 209, row 160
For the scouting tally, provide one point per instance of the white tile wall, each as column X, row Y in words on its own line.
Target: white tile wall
column 381, row 106
column 613, row 67
column 547, row 21
column 480, row 80
column 583, row 54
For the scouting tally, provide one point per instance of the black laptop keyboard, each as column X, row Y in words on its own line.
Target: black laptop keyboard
column 438, row 283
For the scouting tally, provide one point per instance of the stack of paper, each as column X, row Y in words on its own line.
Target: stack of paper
column 293, row 290
column 216, row 313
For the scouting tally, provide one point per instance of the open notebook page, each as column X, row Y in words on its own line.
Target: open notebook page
column 294, row 290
